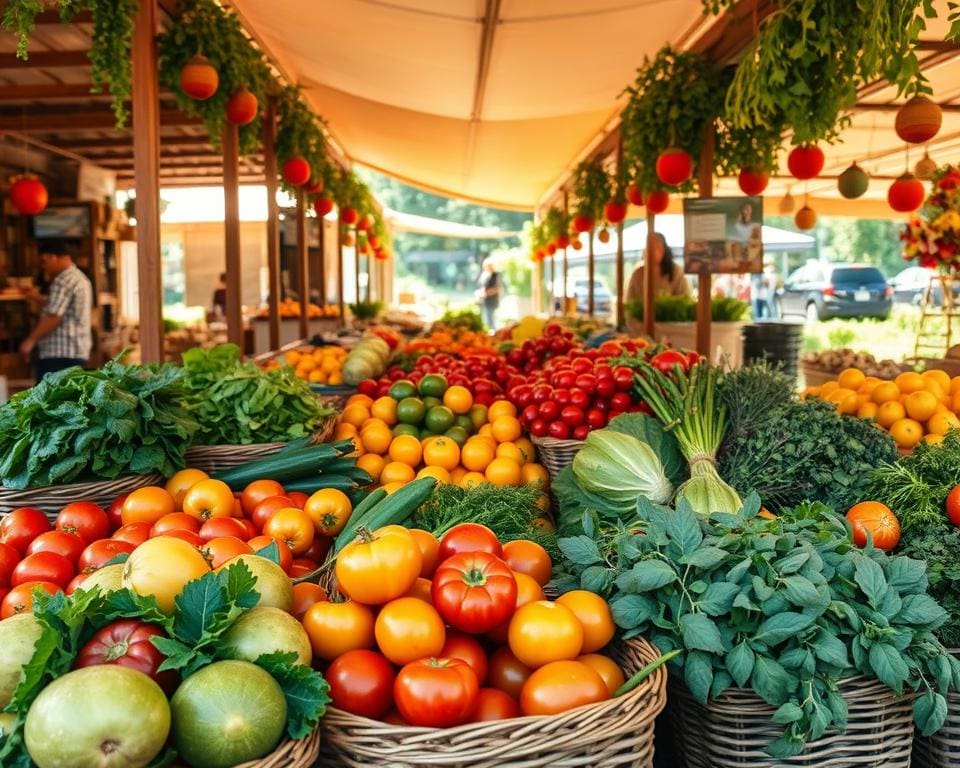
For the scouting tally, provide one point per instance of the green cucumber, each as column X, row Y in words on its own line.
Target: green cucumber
column 281, row 467
column 359, row 510
column 316, row 482
column 392, row 510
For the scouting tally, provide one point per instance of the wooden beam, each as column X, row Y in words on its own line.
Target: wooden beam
column 146, row 145
column 47, row 91
column 176, row 182
column 125, row 143
column 45, row 60
column 322, row 261
column 273, row 220
column 303, row 265
column 231, row 230
column 72, row 120
column 490, row 20
column 169, row 160
column 705, row 283
column 356, row 268
column 894, row 107
column 566, row 263
column 53, row 18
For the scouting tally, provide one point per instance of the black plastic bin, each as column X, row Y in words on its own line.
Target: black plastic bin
column 774, row 341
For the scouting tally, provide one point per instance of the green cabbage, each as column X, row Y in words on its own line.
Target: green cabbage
column 620, row 469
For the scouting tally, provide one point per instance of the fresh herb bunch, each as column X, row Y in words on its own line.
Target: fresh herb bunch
column 938, row 545
column 786, row 608
column 85, row 425
column 592, row 189
column 366, row 310
column 205, row 609
column 237, row 403
column 750, row 393
column 468, row 319
column 805, row 450
column 683, row 309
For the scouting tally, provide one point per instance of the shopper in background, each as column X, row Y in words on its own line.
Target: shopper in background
column 220, row 298
column 668, row 277
column 62, row 336
column 491, row 287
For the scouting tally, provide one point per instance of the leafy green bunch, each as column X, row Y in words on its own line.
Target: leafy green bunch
column 80, row 425
column 300, row 133
column 237, row 403
column 683, row 309
column 203, row 612
column 592, row 188
column 208, row 28
column 786, row 608
column 555, row 224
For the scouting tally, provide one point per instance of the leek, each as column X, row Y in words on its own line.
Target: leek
column 685, row 404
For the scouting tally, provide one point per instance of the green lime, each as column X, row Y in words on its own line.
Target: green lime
column 458, row 435
column 425, row 433
column 402, row 389
column 465, row 423
column 439, row 419
column 406, row 429
column 433, row 385
column 478, row 415
column 432, row 402
column 411, row 410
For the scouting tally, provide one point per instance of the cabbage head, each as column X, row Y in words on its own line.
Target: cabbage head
column 621, row 468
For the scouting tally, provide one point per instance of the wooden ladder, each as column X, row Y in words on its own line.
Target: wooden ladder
column 935, row 332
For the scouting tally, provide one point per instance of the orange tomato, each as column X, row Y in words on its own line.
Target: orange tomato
column 458, row 399
column 441, row 452
column 851, row 378
column 542, row 632
column 535, row 475
column 472, row 479
column 209, row 498
column 528, row 591
column 162, row 567
column 262, row 542
column 476, row 455
column 528, row 557
column 329, row 509
column 507, row 673
column 921, row 405
column 607, row 668
column 385, row 409
column 906, row 433
column 379, row 566
column 397, row 472
column 355, row 414
column 306, row 595
column 257, row 491
column 493, row 705
column 222, row 549
column 372, row 464
column 437, row 473
column 175, row 521
column 560, row 686
column 909, row 382
column 506, row 429
column 501, row 408
column 502, row 472
column 527, row 449
column 885, row 392
column 890, row 412
column 510, row 451
column 376, row 437
column 408, row 629
column 292, row 526
column 422, row 589
column 147, row 505
column 337, row 627
column 344, row 431
column 180, row 482
column 878, row 520
column 594, row 615
column 429, row 551
column 406, row 449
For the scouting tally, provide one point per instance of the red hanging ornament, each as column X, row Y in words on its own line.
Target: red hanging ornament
column 634, row 194
column 198, row 79
column 658, row 201
column 906, row 194
column 366, row 222
column 28, row 194
column 603, row 235
column 674, row 167
column 582, row 223
column 551, row 248
column 805, row 161
column 242, row 107
column 805, row 218
column 381, row 254
column 349, row 239
column 374, row 241
column 752, row 182
column 563, row 241
column 615, row 211
column 296, row 171
column 918, row 120
column 323, row 205
column 576, row 245
column 349, row 215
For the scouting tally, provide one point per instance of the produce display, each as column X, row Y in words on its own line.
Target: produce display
column 366, row 360
column 837, row 360
column 290, row 308
column 318, row 365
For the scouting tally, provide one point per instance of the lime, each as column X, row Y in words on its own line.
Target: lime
column 432, row 402
column 458, row 435
column 406, row 429
column 478, row 415
column 465, row 423
column 439, row 419
column 433, row 385
column 402, row 389
column 425, row 433
column 411, row 410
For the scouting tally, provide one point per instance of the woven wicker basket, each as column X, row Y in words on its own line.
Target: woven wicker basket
column 618, row 732
column 942, row 749
column 732, row 731
column 290, row 754
column 556, row 455
column 52, row 498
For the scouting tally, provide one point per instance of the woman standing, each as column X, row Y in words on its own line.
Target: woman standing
column 491, row 286
column 668, row 277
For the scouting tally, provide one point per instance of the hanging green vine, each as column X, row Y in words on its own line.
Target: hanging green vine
column 755, row 148
column 555, row 224
column 204, row 27
column 300, row 134
column 592, row 188
column 20, row 17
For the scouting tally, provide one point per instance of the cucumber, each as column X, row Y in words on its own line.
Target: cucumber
column 281, row 467
column 390, row 510
column 357, row 496
column 359, row 510
column 314, row 483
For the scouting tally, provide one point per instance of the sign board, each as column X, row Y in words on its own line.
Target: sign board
column 723, row 235
column 95, row 184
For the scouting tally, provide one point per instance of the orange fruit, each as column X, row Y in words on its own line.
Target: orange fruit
column 942, row 378
column 921, row 405
column 503, row 472
column 535, row 475
column 933, row 439
column 439, row 473
column 845, row 400
column 851, row 378
column 372, row 464
column 501, row 408
column 906, row 433
column 458, row 399
column 376, row 437
column 397, row 472
column 343, row 431
column 358, row 399
column 955, row 385
column 506, row 429
column 909, row 382
column 476, row 454
column 941, row 423
column 471, row 480
column 355, row 414
column 385, row 409
column 811, row 392
column 526, row 448
column 827, row 387
column 441, row 452
column 406, row 448
column 868, row 411
column 890, row 412
column 510, row 451
column 456, row 475
column 885, row 392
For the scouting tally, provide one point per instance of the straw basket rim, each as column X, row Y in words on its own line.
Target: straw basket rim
column 50, row 499
column 290, row 753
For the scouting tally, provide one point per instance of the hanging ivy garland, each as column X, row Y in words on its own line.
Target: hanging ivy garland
column 592, row 188
column 300, row 134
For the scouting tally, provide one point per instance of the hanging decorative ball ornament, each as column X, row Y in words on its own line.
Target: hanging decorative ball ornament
column 925, row 168
column 806, row 218
column 603, row 235
column 787, row 204
column 634, row 194
column 752, row 182
column 323, row 205
column 576, row 245
column 365, row 223
column 296, row 171
column 906, row 194
column 349, row 239
column 658, row 201
column 582, row 223
column 541, row 254
column 198, row 79
column 313, row 187
column 28, row 195
column 615, row 211
column 242, row 107
column 551, row 248
column 918, row 120
column 349, row 215
column 853, row 182
column 563, row 241
column 805, row 161
column 374, row 241
column 674, row 166
column 381, row 254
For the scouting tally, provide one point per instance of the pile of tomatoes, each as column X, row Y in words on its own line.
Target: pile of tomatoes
column 533, row 353
column 202, row 511
column 440, row 633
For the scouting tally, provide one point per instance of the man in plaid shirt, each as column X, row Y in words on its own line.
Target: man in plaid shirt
column 62, row 337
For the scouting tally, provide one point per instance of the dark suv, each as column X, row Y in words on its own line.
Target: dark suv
column 821, row 291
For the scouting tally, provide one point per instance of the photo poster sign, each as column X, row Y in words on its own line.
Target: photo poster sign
column 723, row 235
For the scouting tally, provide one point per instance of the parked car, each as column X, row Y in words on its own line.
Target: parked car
column 602, row 298
column 820, row 291
column 910, row 284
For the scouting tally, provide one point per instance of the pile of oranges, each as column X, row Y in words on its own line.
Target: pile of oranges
column 458, row 342
column 912, row 407
column 318, row 365
column 485, row 445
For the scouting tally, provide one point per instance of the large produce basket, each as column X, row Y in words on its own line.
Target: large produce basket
column 556, row 455
column 732, row 731
column 816, row 377
column 942, row 749
column 302, row 753
column 52, row 498
column 618, row 732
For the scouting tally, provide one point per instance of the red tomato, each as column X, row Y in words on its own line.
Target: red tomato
column 217, row 527
column 468, row 649
column 222, row 549
column 494, row 705
column 580, row 432
column 86, row 519
column 305, row 595
column 562, row 397
column 22, row 526
column 579, row 398
column 666, row 361
column 193, row 539
column 76, row 582
column 558, row 431
column 134, row 533
column 67, row 544
column 115, row 512
column 549, row 410
column 572, row 416
column 101, row 552
column 8, row 561
column 436, row 693
column 538, row 428
column 298, row 498
column 474, row 591
column 126, row 643
column 175, row 521
column 469, row 537
column 529, row 415
column 20, row 598
column 249, row 529
column 258, row 491
column 507, row 672
column 620, row 402
column 953, row 505
column 361, row 682
column 258, row 543
column 43, row 566
column 319, row 549
column 623, row 378
column 265, row 509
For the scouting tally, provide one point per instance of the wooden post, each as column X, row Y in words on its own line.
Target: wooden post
column 322, row 262
column 621, row 319
column 563, row 301
column 649, row 281
column 704, row 283
column 146, row 166
column 303, row 265
column 231, row 229
column 356, row 268
column 553, row 284
column 590, row 270
column 341, row 281
column 273, row 220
